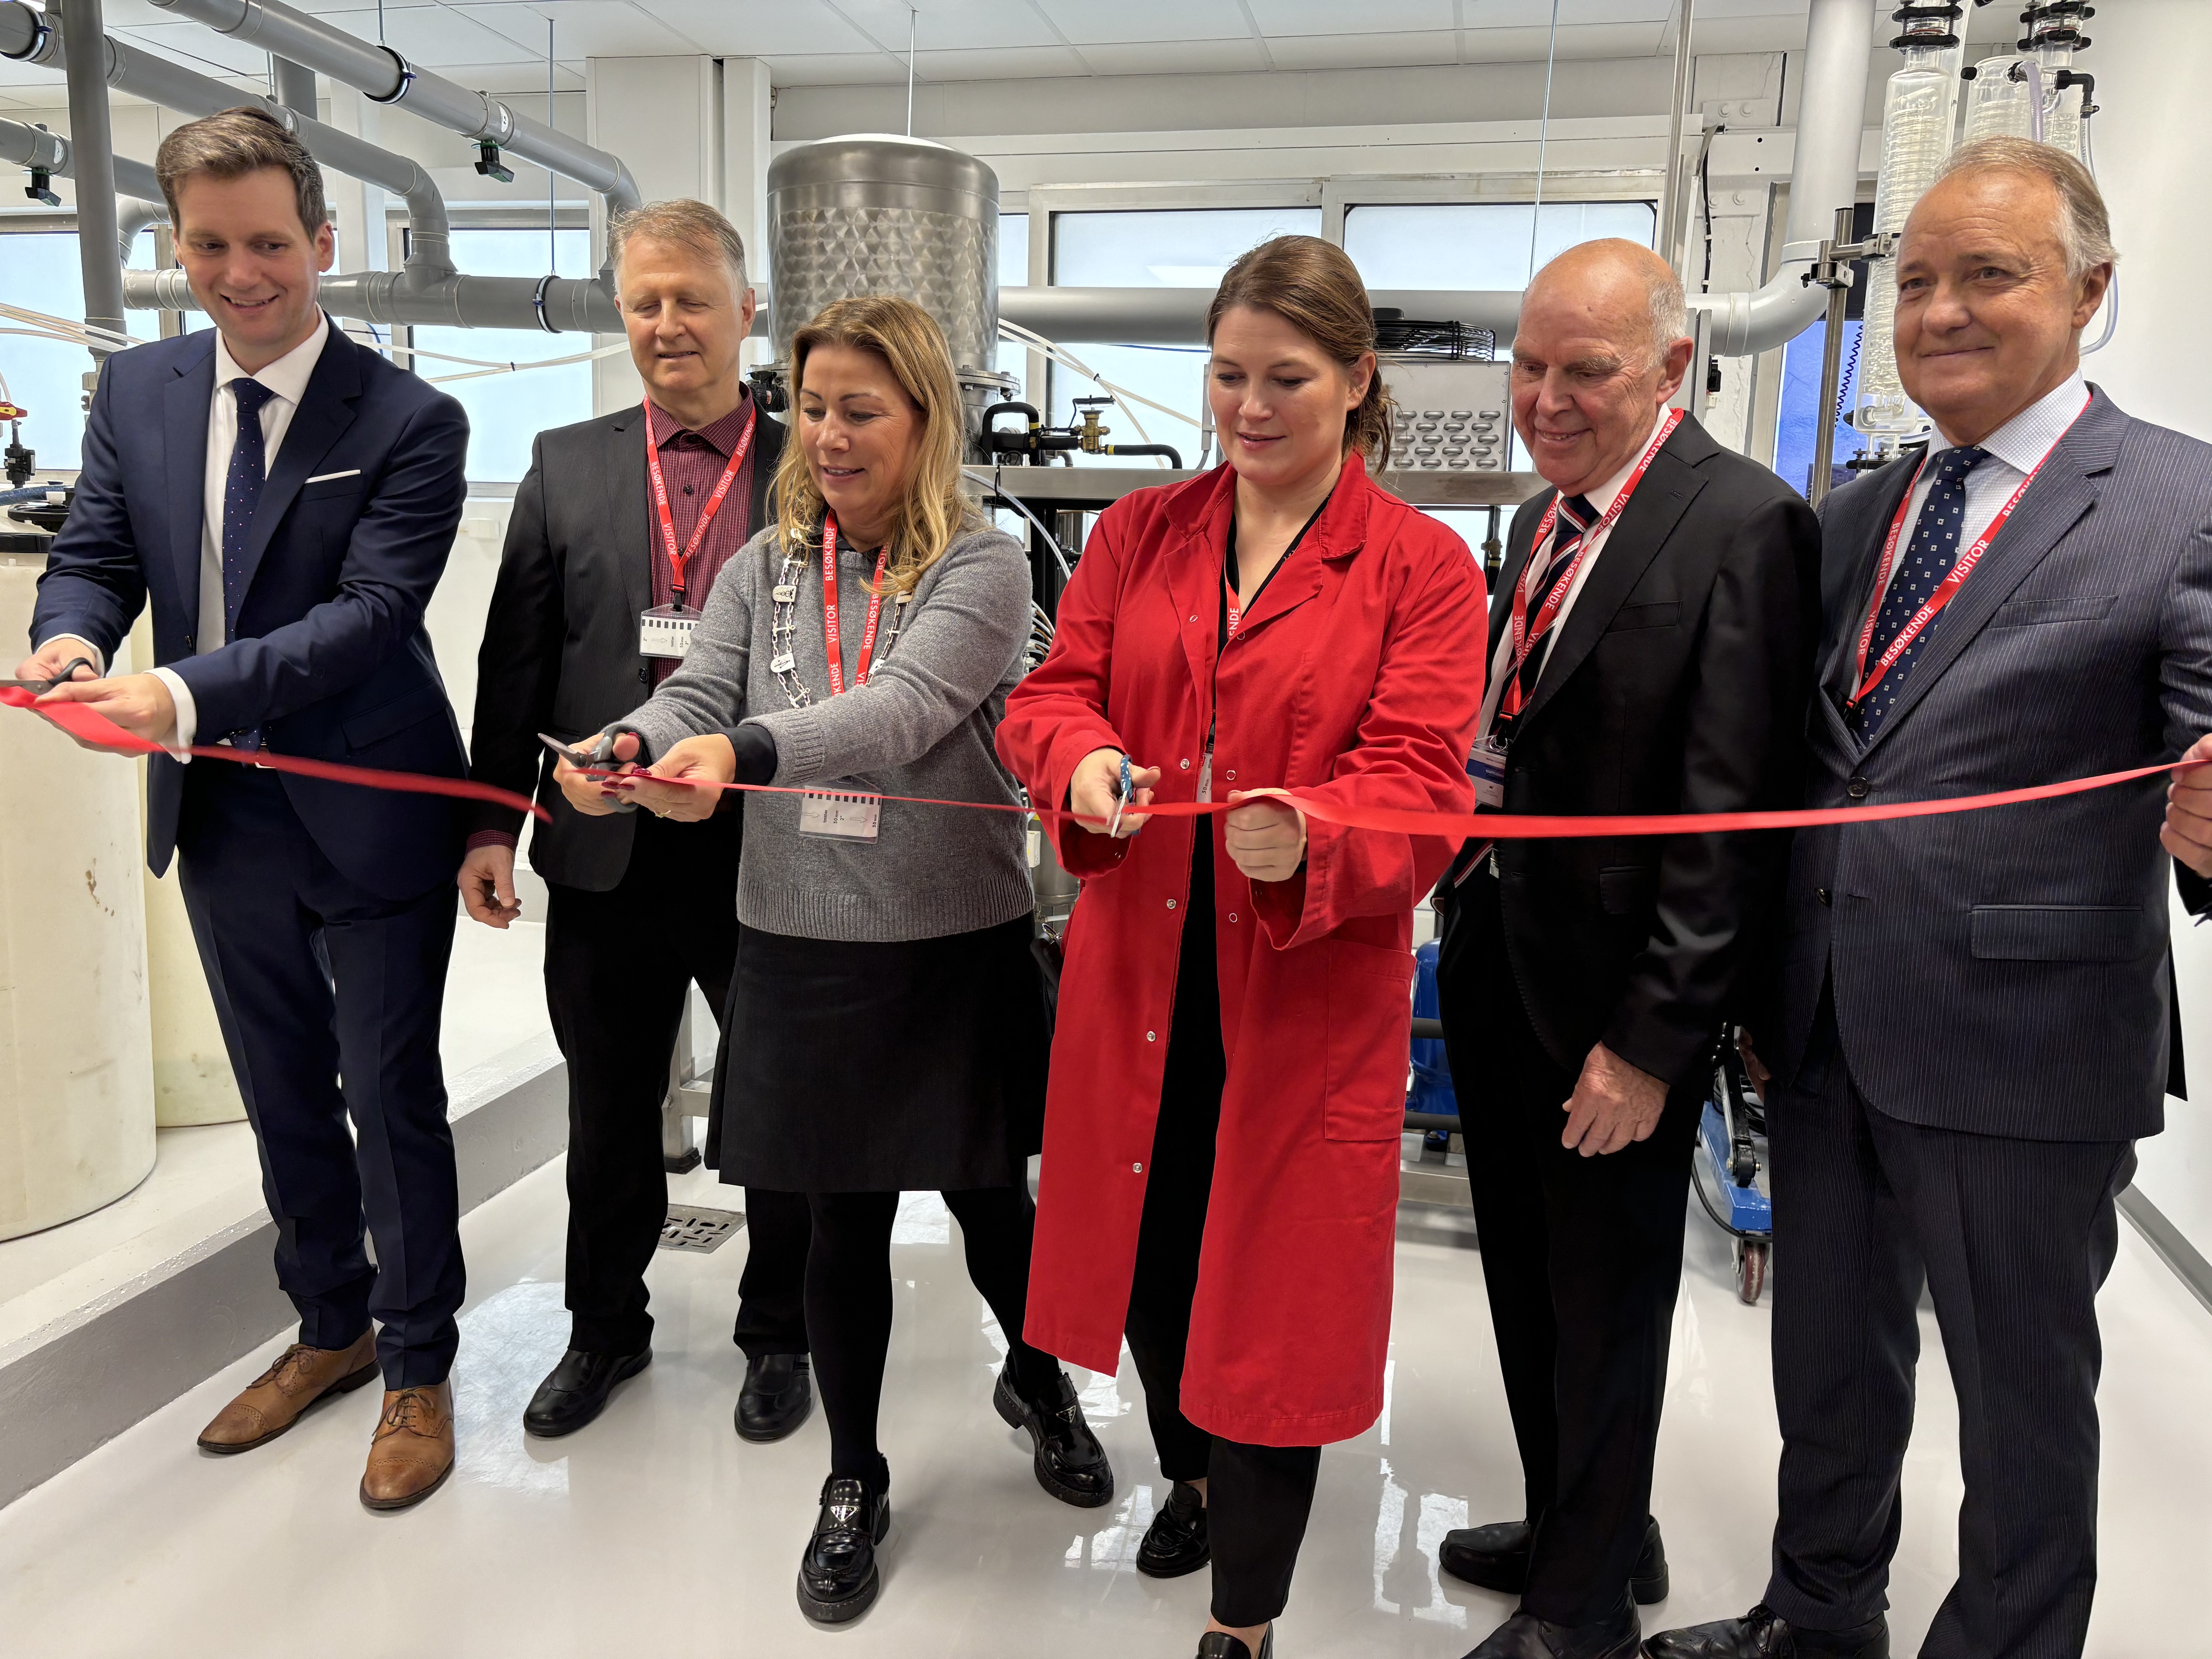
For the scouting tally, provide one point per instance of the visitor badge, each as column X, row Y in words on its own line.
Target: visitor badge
column 665, row 631
column 839, row 815
column 1486, row 766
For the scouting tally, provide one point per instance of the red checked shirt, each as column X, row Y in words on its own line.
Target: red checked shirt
column 692, row 462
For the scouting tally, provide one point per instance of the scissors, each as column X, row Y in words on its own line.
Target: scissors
column 69, row 671
column 1121, row 801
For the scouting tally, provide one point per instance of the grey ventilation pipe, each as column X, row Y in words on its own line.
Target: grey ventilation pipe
column 22, row 146
column 36, row 38
column 1824, row 176
column 95, row 196
column 556, row 304
column 293, row 85
column 389, row 78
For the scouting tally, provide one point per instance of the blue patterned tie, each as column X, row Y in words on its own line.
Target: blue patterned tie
column 241, row 494
column 1938, row 538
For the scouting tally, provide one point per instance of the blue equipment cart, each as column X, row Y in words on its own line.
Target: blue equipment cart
column 1732, row 1139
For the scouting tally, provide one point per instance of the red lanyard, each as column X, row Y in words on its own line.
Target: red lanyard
column 1525, row 634
column 1946, row 589
column 1234, row 613
column 677, row 561
column 830, row 638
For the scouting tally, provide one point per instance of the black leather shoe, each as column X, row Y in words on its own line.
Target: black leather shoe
column 578, row 1389
column 1763, row 1634
column 1524, row 1636
column 1176, row 1543
column 837, row 1576
column 1220, row 1644
column 1071, row 1464
column 1495, row 1557
column 778, row 1397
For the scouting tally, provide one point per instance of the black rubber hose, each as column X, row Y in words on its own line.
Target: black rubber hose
column 1175, row 456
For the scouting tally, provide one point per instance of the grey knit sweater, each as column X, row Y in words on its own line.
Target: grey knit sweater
column 922, row 726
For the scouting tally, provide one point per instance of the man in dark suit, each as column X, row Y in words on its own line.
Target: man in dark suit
column 1976, row 1008
column 1651, row 643
column 597, row 587
column 285, row 499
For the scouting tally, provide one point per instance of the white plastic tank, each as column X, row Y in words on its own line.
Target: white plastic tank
column 76, row 1075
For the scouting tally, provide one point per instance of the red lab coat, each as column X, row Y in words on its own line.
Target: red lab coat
column 1357, row 676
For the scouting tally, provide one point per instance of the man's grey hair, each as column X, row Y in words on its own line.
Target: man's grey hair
column 1670, row 312
column 2085, row 228
column 687, row 223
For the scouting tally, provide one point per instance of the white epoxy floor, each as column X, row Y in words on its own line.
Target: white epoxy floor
column 657, row 1531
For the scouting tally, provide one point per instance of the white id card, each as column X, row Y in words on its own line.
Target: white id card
column 1486, row 766
column 839, row 815
column 665, row 631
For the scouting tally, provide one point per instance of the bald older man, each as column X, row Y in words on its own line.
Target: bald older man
column 1651, row 639
column 1976, row 1010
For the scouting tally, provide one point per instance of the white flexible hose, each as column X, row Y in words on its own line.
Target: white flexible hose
column 1015, row 333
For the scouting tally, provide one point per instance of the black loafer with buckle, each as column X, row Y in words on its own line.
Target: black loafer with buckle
column 1071, row 1464
column 838, row 1578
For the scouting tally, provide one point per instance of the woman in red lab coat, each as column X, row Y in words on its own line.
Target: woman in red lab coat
column 1236, row 996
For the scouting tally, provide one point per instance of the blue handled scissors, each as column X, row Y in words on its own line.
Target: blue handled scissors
column 1128, row 788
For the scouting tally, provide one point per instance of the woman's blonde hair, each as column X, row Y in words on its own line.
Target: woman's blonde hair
column 1314, row 286
column 913, row 348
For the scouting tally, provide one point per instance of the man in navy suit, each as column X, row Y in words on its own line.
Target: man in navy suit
column 285, row 500
column 1975, row 1017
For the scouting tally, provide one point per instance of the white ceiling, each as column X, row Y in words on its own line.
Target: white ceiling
column 502, row 45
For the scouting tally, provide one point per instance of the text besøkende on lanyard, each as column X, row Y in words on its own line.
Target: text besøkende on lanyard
column 677, row 561
column 1525, row 632
column 1946, row 589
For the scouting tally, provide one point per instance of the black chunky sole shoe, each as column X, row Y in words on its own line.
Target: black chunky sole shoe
column 1070, row 1462
column 838, row 1577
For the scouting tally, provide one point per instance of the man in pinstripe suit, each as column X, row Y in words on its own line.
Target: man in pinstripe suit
column 1976, row 1008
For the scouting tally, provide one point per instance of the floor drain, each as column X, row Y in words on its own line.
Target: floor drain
column 692, row 1227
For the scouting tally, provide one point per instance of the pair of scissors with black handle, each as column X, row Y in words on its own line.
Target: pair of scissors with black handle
column 68, row 673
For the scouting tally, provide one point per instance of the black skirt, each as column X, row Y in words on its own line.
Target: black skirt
column 908, row 1066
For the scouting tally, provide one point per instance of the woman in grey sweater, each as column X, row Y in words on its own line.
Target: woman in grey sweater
column 887, row 1029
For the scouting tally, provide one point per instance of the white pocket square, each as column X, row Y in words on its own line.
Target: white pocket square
column 325, row 477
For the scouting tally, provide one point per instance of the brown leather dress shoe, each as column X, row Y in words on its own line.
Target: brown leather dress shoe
column 278, row 1397
column 413, row 1451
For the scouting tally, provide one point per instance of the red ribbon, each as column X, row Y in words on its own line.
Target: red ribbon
column 87, row 725
column 80, row 720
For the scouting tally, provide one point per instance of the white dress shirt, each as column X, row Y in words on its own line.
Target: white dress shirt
column 2015, row 449
column 1601, row 498
column 287, row 379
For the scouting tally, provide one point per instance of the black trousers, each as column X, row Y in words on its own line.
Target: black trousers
column 329, row 997
column 616, row 1000
column 2014, row 1238
column 1258, row 1498
column 1582, row 1260
column 848, row 1305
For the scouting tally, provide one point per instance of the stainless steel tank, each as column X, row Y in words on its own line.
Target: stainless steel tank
column 873, row 213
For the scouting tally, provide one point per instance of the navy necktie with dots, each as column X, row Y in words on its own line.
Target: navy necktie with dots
column 241, row 494
column 1938, row 538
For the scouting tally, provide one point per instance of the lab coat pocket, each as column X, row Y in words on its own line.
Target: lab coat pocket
column 1370, row 1012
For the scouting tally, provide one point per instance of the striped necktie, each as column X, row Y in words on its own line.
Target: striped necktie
column 1576, row 515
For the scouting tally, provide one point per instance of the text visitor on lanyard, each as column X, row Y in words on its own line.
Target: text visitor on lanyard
column 665, row 630
column 1869, row 677
column 832, row 640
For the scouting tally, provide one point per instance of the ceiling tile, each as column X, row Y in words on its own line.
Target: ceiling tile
column 1176, row 58
column 1537, row 14
column 1279, row 17
column 434, row 36
column 759, row 28
column 596, row 28
column 1147, row 21
column 835, row 68
column 1403, row 49
column 951, row 25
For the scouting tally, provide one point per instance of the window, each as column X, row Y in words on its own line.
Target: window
column 1796, row 436
column 39, row 271
column 1479, row 244
column 1190, row 247
column 507, row 411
